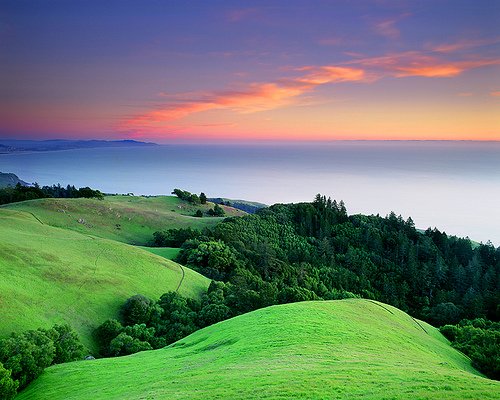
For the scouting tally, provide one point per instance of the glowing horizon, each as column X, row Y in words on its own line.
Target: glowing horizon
column 230, row 72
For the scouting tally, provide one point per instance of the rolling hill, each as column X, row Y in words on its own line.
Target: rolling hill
column 344, row 349
column 52, row 275
column 128, row 219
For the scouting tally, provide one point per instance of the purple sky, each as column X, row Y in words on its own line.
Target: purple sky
column 228, row 70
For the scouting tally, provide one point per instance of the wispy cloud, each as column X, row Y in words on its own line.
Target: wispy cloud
column 331, row 41
column 461, row 45
column 241, row 14
column 297, row 82
column 250, row 98
column 387, row 29
column 414, row 63
column 495, row 93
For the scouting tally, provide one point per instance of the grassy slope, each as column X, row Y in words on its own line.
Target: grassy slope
column 50, row 275
column 169, row 253
column 128, row 219
column 344, row 349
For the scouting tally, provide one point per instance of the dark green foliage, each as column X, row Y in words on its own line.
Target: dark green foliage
column 190, row 197
column 22, row 193
column 444, row 313
column 177, row 318
column 123, row 345
column 106, row 332
column 174, row 237
column 213, row 313
column 213, row 258
column 28, row 353
column 480, row 340
column 295, row 294
column 198, row 213
column 317, row 248
column 217, row 211
column 174, row 318
column 67, row 344
column 182, row 194
column 203, row 198
column 138, row 309
column 8, row 386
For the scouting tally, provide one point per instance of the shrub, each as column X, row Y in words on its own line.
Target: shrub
column 8, row 386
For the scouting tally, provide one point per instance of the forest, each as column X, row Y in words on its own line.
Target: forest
column 312, row 251
column 297, row 252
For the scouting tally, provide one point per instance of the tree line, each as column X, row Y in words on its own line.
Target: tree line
column 193, row 198
column 24, row 356
column 22, row 193
column 319, row 248
column 480, row 340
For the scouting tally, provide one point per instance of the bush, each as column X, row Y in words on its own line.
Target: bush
column 27, row 354
column 67, row 345
column 174, row 237
column 123, row 345
column 8, row 386
column 137, row 309
column 480, row 340
column 106, row 332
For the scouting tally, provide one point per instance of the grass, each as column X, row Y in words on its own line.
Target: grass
column 170, row 253
column 51, row 275
column 128, row 219
column 344, row 349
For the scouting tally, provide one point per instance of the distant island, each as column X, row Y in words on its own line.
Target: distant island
column 14, row 146
column 8, row 179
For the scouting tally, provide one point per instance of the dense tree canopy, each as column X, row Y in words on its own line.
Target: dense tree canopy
column 319, row 248
column 22, row 193
column 28, row 353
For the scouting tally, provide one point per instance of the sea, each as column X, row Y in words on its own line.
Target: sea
column 451, row 185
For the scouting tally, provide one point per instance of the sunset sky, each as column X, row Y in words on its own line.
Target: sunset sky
column 228, row 70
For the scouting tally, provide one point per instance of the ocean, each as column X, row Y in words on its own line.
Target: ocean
column 454, row 186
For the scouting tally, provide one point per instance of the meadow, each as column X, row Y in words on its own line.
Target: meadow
column 343, row 349
column 52, row 275
column 128, row 219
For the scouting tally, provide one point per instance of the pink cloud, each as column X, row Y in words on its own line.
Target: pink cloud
column 331, row 41
column 495, row 93
column 461, row 45
column 240, row 14
column 251, row 98
column 387, row 28
column 415, row 63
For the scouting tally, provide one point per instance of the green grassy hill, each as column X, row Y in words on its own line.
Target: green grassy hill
column 128, row 219
column 347, row 349
column 51, row 275
column 169, row 253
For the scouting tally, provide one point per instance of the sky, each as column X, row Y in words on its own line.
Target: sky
column 188, row 71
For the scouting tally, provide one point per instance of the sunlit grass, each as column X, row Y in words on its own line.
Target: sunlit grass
column 51, row 275
column 129, row 219
column 347, row 349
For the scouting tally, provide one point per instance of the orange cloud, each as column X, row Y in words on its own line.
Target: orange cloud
column 251, row 98
column 262, row 96
column 495, row 93
column 461, row 45
column 418, row 64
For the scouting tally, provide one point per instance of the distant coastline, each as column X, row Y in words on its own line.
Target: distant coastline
column 10, row 146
